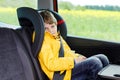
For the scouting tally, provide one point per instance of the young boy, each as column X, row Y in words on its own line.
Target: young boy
column 77, row 66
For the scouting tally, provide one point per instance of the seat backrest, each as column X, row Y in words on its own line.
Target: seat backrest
column 29, row 17
column 15, row 62
column 16, row 48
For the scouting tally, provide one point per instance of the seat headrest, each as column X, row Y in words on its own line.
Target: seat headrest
column 30, row 18
column 60, row 23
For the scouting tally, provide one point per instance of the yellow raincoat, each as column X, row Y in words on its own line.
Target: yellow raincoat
column 49, row 59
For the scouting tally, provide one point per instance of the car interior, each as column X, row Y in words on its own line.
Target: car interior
column 18, row 52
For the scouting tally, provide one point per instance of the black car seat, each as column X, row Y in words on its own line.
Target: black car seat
column 24, row 20
column 16, row 47
column 29, row 17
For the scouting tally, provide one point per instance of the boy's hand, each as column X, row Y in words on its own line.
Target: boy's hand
column 79, row 59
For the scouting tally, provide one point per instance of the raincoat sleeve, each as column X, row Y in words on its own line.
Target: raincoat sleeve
column 51, row 60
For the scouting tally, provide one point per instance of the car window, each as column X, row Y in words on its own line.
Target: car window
column 8, row 8
column 98, row 19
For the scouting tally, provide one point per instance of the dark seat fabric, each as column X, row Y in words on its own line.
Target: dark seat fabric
column 29, row 17
column 17, row 61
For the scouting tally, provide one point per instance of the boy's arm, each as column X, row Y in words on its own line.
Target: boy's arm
column 52, row 62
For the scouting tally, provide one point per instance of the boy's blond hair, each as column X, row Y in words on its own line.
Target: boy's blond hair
column 48, row 17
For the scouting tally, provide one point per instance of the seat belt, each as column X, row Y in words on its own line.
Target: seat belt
column 57, row 75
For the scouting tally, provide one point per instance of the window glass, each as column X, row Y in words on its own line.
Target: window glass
column 97, row 19
column 8, row 8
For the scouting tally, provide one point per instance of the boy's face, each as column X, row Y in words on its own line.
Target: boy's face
column 52, row 28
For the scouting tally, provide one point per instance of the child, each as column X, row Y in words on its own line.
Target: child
column 77, row 66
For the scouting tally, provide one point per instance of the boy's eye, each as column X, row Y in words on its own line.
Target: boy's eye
column 52, row 26
column 46, row 28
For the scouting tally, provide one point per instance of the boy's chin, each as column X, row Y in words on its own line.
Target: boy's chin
column 55, row 34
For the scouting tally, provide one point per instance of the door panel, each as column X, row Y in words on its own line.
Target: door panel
column 90, row 47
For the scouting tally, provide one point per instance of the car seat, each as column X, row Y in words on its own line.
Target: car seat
column 29, row 17
column 24, row 17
